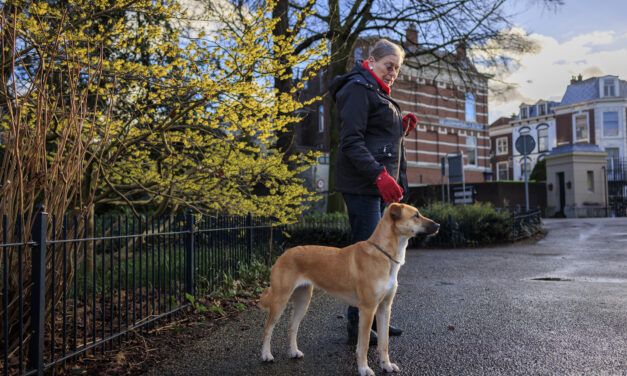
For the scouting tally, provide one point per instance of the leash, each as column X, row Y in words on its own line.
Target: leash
column 382, row 251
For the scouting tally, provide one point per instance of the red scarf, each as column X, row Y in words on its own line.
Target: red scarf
column 384, row 87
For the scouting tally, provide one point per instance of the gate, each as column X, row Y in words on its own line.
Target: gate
column 617, row 186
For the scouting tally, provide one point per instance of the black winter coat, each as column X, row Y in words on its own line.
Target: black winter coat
column 370, row 129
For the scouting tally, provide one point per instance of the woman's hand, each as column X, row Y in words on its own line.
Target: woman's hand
column 409, row 123
column 390, row 190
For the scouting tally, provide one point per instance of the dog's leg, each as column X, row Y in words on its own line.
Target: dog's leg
column 366, row 314
column 278, row 301
column 383, row 322
column 300, row 298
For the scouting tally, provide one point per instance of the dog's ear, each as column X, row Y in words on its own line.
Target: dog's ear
column 396, row 211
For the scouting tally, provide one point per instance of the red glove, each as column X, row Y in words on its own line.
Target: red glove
column 409, row 123
column 390, row 190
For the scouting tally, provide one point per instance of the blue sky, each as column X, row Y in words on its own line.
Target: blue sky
column 584, row 37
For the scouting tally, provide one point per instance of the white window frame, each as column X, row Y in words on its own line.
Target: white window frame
column 609, row 83
column 472, row 147
column 523, row 112
column 500, row 168
column 502, row 146
column 471, row 107
column 575, row 116
column 617, row 123
column 542, row 109
column 543, row 129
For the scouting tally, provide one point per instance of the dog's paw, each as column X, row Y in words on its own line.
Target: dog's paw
column 267, row 357
column 390, row 367
column 296, row 354
column 366, row 371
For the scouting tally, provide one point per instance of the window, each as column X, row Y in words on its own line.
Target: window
column 609, row 88
column 471, row 150
column 470, row 107
column 523, row 112
column 581, row 128
column 590, row 184
column 501, row 146
column 543, row 139
column 610, row 124
column 613, row 163
column 502, row 170
column 524, row 172
column 321, row 119
column 542, row 109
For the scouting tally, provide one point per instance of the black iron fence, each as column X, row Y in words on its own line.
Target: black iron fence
column 617, row 187
column 78, row 285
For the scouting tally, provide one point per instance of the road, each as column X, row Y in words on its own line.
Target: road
column 554, row 307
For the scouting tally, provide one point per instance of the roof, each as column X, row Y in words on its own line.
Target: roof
column 576, row 147
column 501, row 121
column 586, row 90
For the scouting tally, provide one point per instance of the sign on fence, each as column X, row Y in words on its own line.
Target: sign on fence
column 463, row 195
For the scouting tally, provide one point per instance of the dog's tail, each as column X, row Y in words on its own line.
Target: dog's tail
column 264, row 300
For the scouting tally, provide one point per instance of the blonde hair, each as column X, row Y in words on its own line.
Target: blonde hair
column 384, row 47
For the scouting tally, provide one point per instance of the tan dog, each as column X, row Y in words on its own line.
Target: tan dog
column 361, row 275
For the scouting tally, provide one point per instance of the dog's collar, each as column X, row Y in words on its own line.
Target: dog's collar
column 382, row 251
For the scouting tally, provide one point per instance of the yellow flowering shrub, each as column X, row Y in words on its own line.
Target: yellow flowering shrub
column 182, row 117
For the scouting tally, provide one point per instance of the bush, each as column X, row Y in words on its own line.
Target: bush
column 467, row 225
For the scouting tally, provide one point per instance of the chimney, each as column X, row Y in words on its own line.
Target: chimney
column 411, row 37
column 461, row 51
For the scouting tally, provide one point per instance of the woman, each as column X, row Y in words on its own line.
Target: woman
column 370, row 168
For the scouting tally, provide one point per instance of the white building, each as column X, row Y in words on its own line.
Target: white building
column 538, row 121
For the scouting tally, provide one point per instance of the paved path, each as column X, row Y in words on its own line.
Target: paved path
column 464, row 312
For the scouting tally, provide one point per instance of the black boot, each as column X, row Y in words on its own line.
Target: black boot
column 392, row 330
column 352, row 328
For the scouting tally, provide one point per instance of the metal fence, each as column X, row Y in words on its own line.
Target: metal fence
column 617, row 186
column 78, row 286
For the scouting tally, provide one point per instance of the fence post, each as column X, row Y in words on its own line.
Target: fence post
column 249, row 224
column 38, row 235
column 189, row 253
column 450, row 221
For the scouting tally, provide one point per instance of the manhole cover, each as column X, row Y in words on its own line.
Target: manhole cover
column 551, row 279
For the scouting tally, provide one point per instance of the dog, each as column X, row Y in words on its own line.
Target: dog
column 361, row 275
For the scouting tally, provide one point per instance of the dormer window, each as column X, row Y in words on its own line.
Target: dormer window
column 542, row 109
column 609, row 87
column 523, row 112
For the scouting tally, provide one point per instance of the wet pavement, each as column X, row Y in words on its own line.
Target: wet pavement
column 554, row 307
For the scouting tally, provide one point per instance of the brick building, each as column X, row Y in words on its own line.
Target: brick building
column 501, row 151
column 445, row 92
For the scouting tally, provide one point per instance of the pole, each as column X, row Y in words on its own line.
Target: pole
column 38, row 291
column 443, row 162
column 526, row 176
column 189, row 254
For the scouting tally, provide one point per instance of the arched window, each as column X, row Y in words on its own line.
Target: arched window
column 471, row 113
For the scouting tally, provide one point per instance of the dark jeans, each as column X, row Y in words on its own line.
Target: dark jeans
column 364, row 213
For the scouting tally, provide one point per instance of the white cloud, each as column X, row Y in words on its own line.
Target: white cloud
column 546, row 75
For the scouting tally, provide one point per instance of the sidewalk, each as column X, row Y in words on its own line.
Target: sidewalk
column 556, row 307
